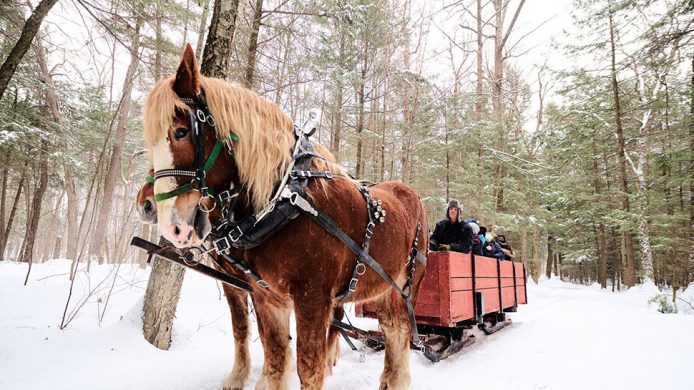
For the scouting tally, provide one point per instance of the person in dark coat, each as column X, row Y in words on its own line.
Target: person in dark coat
column 505, row 247
column 451, row 234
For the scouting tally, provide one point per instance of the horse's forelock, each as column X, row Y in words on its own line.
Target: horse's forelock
column 159, row 111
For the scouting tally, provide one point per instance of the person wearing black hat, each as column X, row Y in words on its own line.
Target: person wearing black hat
column 451, row 234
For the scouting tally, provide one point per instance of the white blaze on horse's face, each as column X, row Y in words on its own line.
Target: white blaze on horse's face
column 176, row 215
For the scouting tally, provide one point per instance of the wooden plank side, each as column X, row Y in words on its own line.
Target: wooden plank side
column 458, row 284
column 506, row 282
column 444, row 285
column 426, row 310
column 460, row 264
column 507, row 297
column 506, row 269
column 490, row 299
column 521, row 295
column 462, row 306
column 485, row 266
column 481, row 283
column 429, row 297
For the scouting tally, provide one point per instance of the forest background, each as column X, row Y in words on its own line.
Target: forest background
column 582, row 154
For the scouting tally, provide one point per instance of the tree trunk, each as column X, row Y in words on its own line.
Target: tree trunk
column 480, row 63
column 629, row 277
column 161, row 299
column 5, row 174
column 550, row 257
column 31, row 27
column 114, row 168
column 201, row 29
column 359, row 171
column 13, row 212
column 339, row 93
column 602, row 244
column 37, row 198
column 253, row 44
column 218, row 47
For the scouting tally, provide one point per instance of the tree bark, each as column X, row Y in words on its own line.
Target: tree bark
column 114, row 168
column 5, row 174
column 220, row 36
column 31, row 27
column 550, row 257
column 629, row 277
column 253, row 45
column 161, row 299
column 13, row 212
column 361, row 98
column 201, row 29
column 36, row 200
column 480, row 62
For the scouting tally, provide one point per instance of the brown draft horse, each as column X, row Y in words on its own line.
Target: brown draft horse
column 238, row 304
column 304, row 266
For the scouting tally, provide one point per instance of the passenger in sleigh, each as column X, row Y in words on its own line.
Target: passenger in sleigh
column 491, row 248
column 451, row 233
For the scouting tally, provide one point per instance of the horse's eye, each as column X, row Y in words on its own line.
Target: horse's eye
column 180, row 132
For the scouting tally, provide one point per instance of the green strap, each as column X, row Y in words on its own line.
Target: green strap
column 149, row 180
column 189, row 187
column 213, row 156
column 178, row 191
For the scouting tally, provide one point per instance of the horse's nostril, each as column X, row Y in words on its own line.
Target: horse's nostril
column 177, row 230
column 149, row 207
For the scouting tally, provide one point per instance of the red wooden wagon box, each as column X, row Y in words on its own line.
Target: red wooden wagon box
column 463, row 289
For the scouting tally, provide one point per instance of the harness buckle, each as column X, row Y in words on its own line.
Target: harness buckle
column 302, row 203
column 328, row 175
column 237, row 238
column 263, row 283
column 222, row 245
column 353, row 284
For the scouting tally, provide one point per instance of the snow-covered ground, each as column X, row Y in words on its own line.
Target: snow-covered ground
column 567, row 337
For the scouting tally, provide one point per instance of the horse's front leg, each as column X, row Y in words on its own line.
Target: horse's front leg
column 394, row 321
column 238, row 305
column 312, row 321
column 273, row 326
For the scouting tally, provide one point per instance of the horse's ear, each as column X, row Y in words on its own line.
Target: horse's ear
column 187, row 82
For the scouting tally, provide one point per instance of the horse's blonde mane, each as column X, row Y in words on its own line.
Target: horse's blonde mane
column 262, row 152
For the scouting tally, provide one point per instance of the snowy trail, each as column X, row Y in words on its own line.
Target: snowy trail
column 567, row 337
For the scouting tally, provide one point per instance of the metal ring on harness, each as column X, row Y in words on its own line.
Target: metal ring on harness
column 192, row 259
column 204, row 208
column 360, row 269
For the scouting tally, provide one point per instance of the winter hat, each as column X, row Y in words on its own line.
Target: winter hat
column 455, row 203
column 475, row 227
column 483, row 231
